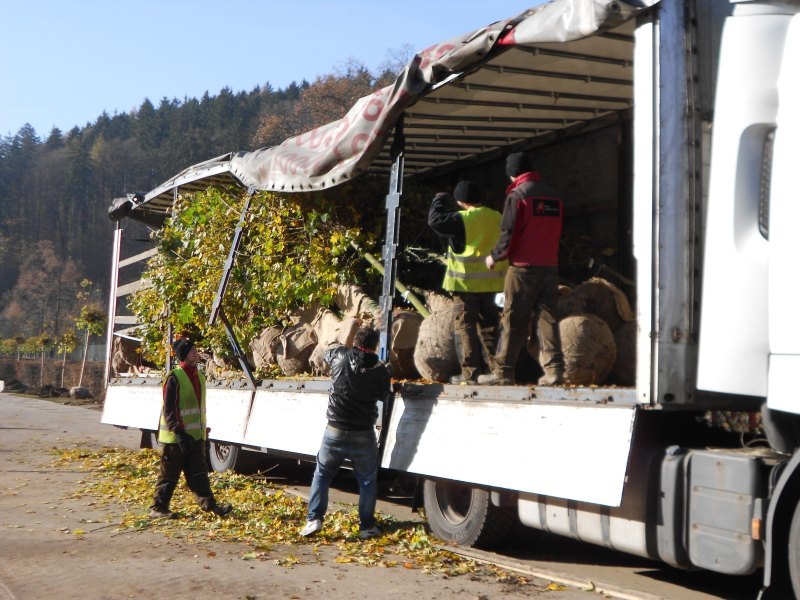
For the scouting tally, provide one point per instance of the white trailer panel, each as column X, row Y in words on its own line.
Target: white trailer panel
column 575, row 452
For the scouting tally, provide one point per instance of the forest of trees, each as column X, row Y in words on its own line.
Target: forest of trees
column 55, row 190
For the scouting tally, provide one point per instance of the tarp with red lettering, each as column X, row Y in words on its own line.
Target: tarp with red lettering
column 338, row 151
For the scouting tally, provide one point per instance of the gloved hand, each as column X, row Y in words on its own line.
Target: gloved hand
column 185, row 441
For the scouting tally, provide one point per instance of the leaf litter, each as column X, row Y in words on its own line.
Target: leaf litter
column 266, row 518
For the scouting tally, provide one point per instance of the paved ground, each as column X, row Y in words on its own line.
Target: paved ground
column 41, row 557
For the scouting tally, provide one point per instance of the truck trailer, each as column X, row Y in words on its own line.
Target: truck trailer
column 671, row 128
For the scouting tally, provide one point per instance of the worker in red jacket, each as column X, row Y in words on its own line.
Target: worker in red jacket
column 530, row 231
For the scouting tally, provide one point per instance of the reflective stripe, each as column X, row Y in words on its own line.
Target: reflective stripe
column 190, row 411
column 464, row 259
column 484, row 275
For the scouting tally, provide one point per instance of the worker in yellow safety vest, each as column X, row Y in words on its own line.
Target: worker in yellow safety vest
column 182, row 432
column 470, row 230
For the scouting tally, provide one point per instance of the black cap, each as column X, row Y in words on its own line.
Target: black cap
column 517, row 164
column 467, row 191
column 181, row 347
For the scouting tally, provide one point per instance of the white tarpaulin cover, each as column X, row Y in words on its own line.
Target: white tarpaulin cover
column 340, row 150
column 556, row 66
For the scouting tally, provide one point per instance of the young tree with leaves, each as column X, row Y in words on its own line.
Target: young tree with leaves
column 67, row 343
column 92, row 321
column 293, row 255
column 44, row 341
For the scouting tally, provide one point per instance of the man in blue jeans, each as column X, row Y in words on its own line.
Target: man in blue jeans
column 359, row 382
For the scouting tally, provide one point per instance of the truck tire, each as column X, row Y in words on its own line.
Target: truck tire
column 794, row 551
column 223, row 457
column 229, row 457
column 464, row 515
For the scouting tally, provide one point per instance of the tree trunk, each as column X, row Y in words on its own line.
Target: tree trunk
column 41, row 370
column 63, row 367
column 83, row 362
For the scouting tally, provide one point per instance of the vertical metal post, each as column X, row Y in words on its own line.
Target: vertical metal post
column 168, row 349
column 216, row 308
column 389, row 253
column 112, row 299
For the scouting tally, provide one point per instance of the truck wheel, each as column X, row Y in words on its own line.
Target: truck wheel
column 794, row 551
column 464, row 515
column 223, row 457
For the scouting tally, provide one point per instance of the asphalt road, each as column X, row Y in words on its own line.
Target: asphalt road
column 613, row 574
column 553, row 557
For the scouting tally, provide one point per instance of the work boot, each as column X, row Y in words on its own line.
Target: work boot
column 161, row 512
column 494, row 379
column 552, row 378
column 221, row 510
column 370, row 532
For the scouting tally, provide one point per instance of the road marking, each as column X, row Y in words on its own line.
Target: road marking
column 5, row 593
column 607, row 589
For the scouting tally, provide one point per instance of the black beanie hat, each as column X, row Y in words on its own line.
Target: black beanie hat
column 517, row 164
column 181, row 347
column 467, row 191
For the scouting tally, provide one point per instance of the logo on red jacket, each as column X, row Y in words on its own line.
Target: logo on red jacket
column 546, row 207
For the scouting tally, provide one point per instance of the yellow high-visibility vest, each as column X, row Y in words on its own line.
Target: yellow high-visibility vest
column 193, row 416
column 466, row 271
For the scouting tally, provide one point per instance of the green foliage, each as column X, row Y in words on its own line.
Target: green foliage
column 293, row 255
column 44, row 341
column 67, row 342
column 30, row 346
column 92, row 319
column 8, row 346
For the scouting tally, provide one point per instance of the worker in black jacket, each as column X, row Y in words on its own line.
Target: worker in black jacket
column 359, row 381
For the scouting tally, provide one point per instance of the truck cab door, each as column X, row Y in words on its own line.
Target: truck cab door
column 784, row 234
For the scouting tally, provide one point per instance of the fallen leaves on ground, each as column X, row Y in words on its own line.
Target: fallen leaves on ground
column 266, row 517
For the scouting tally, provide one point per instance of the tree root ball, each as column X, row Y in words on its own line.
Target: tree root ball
column 435, row 353
column 589, row 349
column 597, row 297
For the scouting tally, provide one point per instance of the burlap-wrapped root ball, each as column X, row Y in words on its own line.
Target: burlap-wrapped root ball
column 405, row 332
column 435, row 353
column 326, row 329
column 624, row 371
column 265, row 348
column 597, row 297
column 297, row 343
column 589, row 349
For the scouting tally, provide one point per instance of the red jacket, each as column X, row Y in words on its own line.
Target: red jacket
column 530, row 230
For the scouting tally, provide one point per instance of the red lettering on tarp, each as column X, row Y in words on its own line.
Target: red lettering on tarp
column 313, row 138
column 359, row 142
column 291, row 163
column 373, row 109
column 434, row 53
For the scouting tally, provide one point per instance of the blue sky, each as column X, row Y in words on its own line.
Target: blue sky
column 64, row 63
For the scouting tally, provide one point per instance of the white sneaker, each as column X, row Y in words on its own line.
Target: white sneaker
column 312, row 527
column 371, row 532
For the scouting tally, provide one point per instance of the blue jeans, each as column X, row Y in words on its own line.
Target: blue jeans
column 361, row 448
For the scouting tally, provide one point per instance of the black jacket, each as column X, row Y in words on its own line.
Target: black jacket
column 359, row 381
column 446, row 220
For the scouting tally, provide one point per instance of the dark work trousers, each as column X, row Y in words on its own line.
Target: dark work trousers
column 530, row 292
column 192, row 464
column 476, row 324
